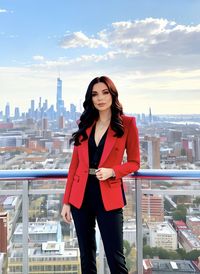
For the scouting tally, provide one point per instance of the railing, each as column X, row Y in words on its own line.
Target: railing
column 29, row 175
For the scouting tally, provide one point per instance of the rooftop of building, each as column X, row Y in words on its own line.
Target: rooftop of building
column 39, row 228
column 193, row 218
column 162, row 228
column 180, row 223
column 191, row 238
column 35, row 252
column 169, row 266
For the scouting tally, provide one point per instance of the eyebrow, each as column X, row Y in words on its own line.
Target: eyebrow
column 102, row 90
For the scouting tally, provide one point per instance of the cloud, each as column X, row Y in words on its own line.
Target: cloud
column 148, row 45
column 79, row 39
column 151, row 36
column 38, row 58
column 5, row 11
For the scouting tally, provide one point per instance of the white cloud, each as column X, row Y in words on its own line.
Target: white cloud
column 151, row 36
column 79, row 39
column 38, row 58
column 3, row 10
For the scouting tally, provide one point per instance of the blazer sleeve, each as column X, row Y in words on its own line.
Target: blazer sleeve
column 132, row 150
column 72, row 169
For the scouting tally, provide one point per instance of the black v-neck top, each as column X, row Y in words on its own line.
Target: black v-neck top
column 95, row 151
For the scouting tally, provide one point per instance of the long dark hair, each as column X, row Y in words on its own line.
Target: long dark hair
column 91, row 114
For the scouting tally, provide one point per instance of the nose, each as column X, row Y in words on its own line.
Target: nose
column 100, row 97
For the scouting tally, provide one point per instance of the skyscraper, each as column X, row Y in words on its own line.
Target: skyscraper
column 3, row 232
column 17, row 113
column 59, row 101
column 32, row 108
column 7, row 112
column 153, row 151
column 150, row 116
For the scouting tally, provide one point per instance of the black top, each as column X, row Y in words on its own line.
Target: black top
column 92, row 197
column 95, row 151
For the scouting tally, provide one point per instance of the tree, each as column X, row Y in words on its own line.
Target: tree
column 127, row 248
column 183, row 152
column 179, row 215
column 193, row 255
column 182, row 208
column 147, row 252
column 182, row 253
column 150, row 252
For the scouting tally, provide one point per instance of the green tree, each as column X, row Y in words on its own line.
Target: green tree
column 182, row 208
column 183, row 152
column 173, row 255
column 127, row 248
column 179, row 215
column 182, row 253
column 147, row 252
column 193, row 255
column 150, row 252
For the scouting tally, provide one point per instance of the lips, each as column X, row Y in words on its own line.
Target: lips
column 101, row 104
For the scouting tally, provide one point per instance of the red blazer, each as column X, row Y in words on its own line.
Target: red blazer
column 112, row 157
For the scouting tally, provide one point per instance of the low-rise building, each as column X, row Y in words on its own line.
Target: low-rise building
column 39, row 232
column 155, row 266
column 162, row 235
column 50, row 258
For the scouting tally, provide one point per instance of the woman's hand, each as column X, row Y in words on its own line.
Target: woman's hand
column 66, row 213
column 104, row 173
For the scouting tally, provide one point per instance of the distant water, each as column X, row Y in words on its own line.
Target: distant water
column 186, row 123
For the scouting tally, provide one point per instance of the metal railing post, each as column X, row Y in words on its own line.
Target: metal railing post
column 139, row 234
column 25, row 219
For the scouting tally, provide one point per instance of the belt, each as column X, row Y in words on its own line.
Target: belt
column 92, row 171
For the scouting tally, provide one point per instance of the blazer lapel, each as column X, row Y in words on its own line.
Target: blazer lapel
column 84, row 147
column 109, row 143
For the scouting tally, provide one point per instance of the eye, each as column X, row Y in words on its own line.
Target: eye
column 106, row 92
column 94, row 94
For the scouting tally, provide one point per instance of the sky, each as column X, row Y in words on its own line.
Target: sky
column 149, row 48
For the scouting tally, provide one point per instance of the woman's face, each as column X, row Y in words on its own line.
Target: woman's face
column 101, row 97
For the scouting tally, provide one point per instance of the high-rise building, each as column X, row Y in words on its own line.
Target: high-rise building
column 174, row 136
column 150, row 116
column 73, row 112
column 17, row 113
column 40, row 103
column 32, row 107
column 3, row 232
column 44, row 123
column 7, row 112
column 61, row 122
column 59, row 101
column 153, row 208
column 153, row 151
column 197, row 148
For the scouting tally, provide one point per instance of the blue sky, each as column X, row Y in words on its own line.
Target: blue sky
column 149, row 48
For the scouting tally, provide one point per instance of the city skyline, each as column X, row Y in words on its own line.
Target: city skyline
column 149, row 50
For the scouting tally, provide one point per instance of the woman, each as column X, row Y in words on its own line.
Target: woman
column 94, row 189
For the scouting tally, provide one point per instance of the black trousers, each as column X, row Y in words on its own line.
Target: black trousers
column 111, row 229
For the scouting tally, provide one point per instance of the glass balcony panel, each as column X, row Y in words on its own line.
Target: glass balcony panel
column 46, row 228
